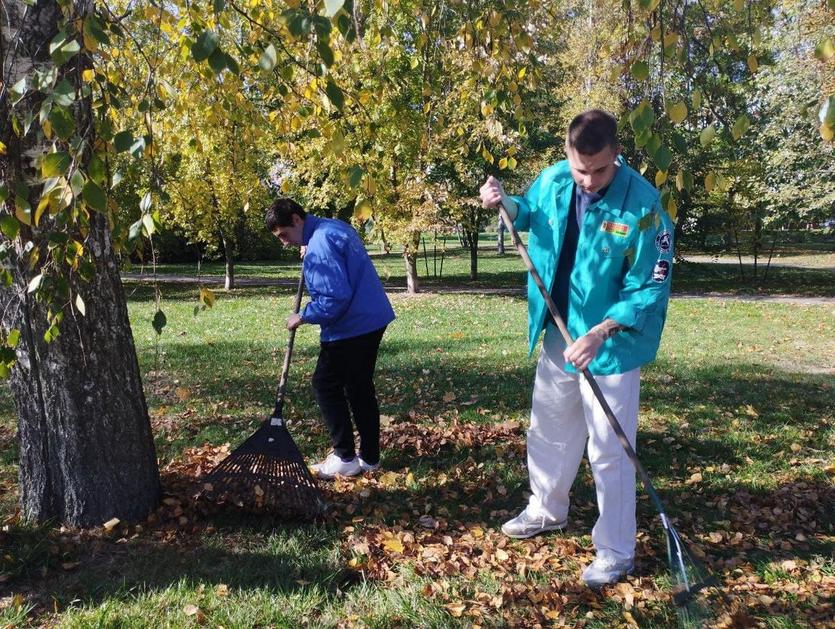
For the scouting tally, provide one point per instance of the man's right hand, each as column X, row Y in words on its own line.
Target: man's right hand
column 492, row 193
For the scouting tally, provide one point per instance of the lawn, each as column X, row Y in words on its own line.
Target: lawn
column 736, row 432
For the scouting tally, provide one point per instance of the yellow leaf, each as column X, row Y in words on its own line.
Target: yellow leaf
column 672, row 208
column 521, row 73
column 393, row 545
column 660, row 178
column 455, row 609
column 88, row 75
column 363, row 210
column 739, row 5
column 207, row 297
column 827, row 132
column 487, row 156
column 710, row 182
column 752, row 63
column 2, row 149
column 677, row 112
column 511, row 163
column 502, row 163
column 486, row 110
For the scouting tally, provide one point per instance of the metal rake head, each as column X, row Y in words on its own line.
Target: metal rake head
column 690, row 577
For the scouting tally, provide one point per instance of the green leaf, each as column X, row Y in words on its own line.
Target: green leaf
column 663, row 157
column 55, row 164
column 653, row 144
column 135, row 230
column 640, row 70
column 4, row 192
column 219, row 5
column 96, row 170
column 332, row 7
column 325, row 53
column 220, row 61
column 94, row 196
column 355, row 176
column 741, row 125
column 642, row 117
column 159, row 321
column 643, row 136
column 62, row 48
column 122, row 141
column 18, row 91
column 825, row 49
column 707, row 135
column 268, row 58
column 9, row 226
column 14, row 338
column 62, row 122
column 335, row 94
column 205, row 45
column 94, row 30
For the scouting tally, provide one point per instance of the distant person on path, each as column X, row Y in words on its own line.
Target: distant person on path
column 349, row 304
column 604, row 247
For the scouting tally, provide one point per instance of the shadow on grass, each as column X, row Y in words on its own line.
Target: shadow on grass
column 250, row 553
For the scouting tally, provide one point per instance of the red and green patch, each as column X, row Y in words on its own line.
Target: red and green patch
column 618, row 229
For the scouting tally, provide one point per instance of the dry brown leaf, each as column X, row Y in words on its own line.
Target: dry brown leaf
column 191, row 610
column 111, row 524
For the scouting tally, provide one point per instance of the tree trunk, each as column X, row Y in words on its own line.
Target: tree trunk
column 410, row 258
column 229, row 282
column 86, row 450
column 472, row 238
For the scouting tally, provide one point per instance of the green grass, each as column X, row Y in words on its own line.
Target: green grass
column 741, row 393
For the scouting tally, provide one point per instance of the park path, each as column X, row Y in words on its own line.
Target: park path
column 215, row 281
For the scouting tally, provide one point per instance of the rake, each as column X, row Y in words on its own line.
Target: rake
column 267, row 472
column 690, row 576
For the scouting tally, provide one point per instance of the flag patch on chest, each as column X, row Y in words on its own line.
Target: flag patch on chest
column 618, row 229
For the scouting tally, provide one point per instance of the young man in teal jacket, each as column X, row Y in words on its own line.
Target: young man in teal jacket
column 604, row 246
column 349, row 304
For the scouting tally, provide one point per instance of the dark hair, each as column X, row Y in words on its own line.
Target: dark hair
column 280, row 214
column 592, row 131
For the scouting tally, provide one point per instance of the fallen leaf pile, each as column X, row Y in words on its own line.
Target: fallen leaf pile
column 442, row 522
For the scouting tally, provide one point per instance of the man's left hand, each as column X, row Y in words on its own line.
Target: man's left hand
column 582, row 351
column 294, row 321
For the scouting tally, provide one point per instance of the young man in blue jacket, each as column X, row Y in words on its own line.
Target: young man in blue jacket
column 603, row 245
column 349, row 304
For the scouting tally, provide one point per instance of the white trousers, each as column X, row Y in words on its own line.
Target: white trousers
column 564, row 413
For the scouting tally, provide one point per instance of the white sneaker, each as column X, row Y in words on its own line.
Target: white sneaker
column 525, row 525
column 334, row 466
column 607, row 570
column 367, row 467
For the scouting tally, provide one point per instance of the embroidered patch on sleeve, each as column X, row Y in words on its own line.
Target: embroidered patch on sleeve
column 663, row 242
column 617, row 229
column 661, row 271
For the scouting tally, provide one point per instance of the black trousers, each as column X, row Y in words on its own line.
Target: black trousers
column 344, row 377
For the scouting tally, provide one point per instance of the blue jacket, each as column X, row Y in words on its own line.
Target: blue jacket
column 622, row 269
column 346, row 296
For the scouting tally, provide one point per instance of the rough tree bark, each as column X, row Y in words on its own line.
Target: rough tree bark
column 86, row 449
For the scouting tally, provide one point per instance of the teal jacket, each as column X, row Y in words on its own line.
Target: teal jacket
column 622, row 269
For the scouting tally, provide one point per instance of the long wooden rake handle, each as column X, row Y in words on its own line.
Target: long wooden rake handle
column 285, row 370
column 613, row 421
